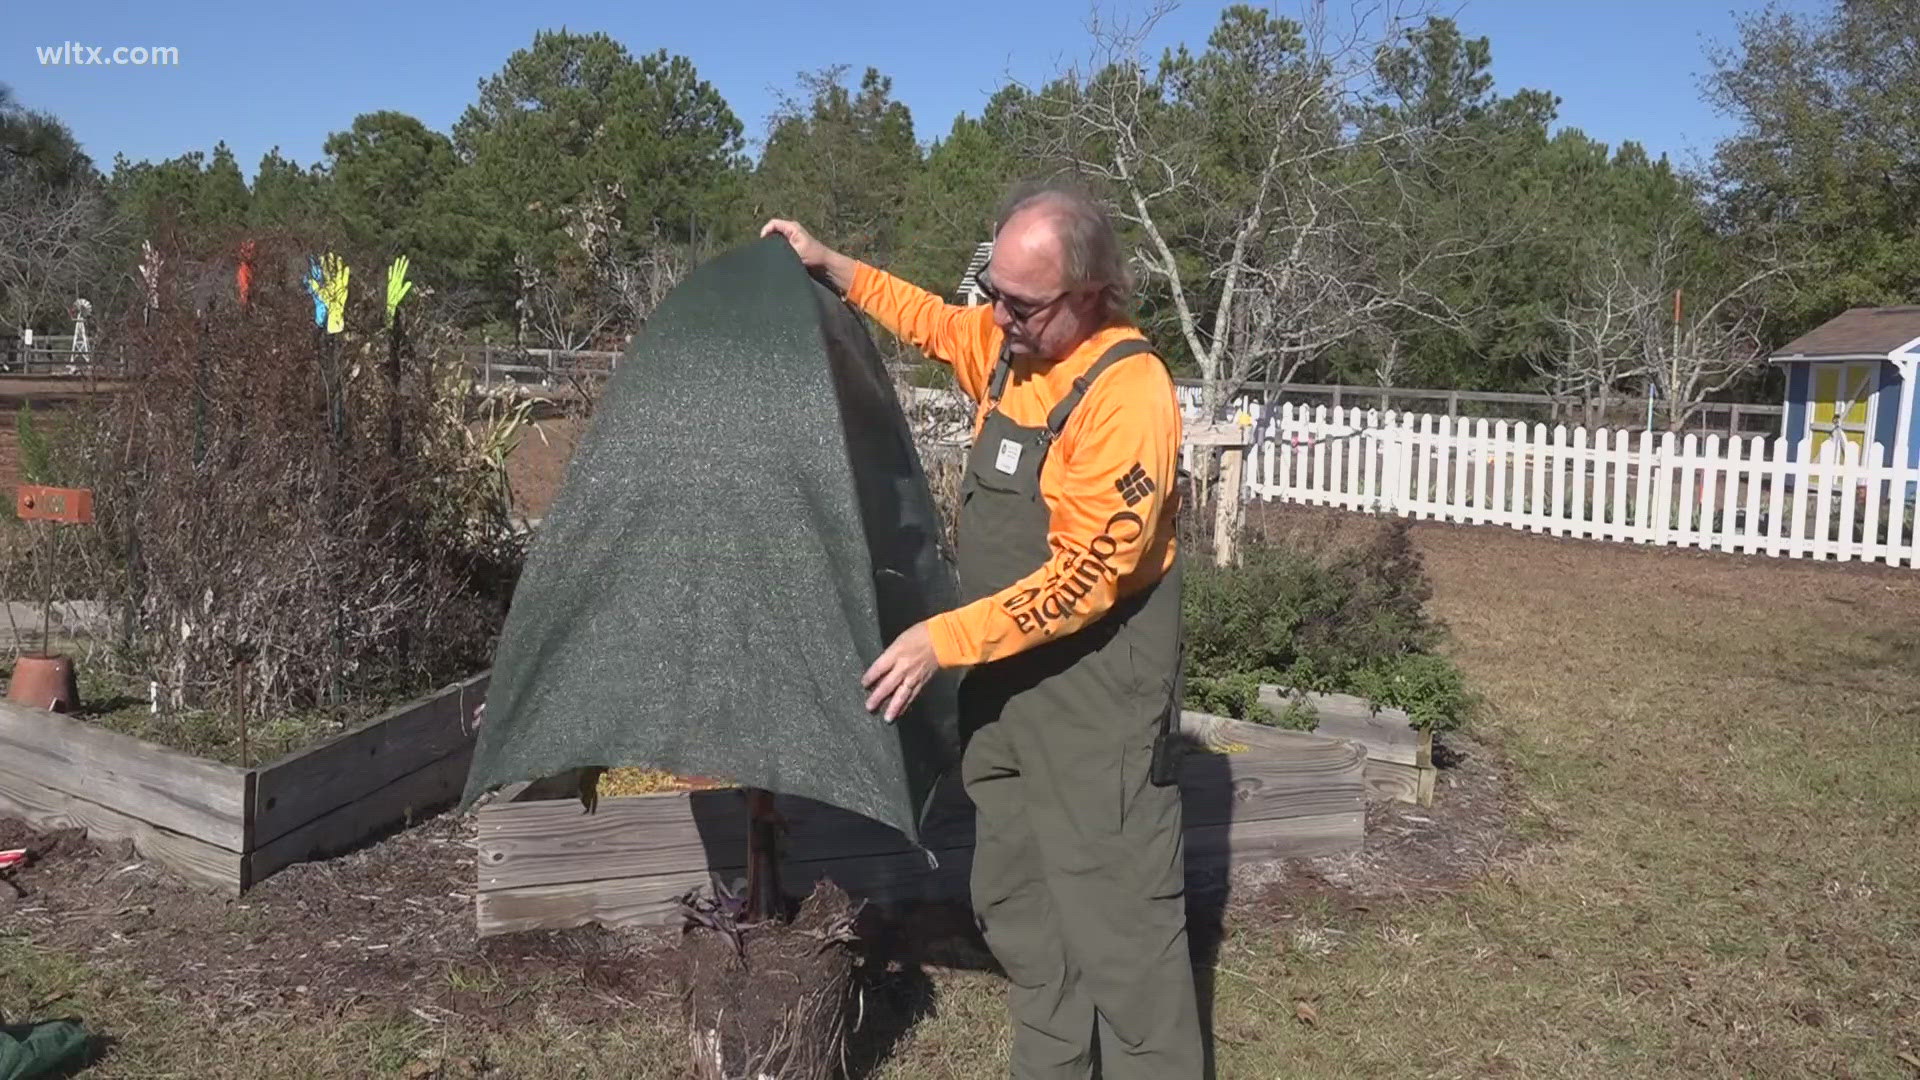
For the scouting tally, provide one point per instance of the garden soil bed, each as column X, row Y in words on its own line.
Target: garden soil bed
column 117, row 705
column 229, row 828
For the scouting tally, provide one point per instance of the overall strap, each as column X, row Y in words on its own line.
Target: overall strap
column 1000, row 372
column 1057, row 420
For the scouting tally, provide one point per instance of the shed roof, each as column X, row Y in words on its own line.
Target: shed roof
column 1862, row 331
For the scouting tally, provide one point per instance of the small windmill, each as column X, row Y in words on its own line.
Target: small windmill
column 82, row 345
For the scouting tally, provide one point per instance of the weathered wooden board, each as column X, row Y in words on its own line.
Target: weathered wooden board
column 545, row 864
column 1389, row 781
column 1388, row 734
column 647, row 900
column 226, row 827
column 400, row 802
column 553, row 842
column 311, row 784
column 1299, row 752
column 197, row 798
column 644, row 900
column 618, row 902
column 1213, row 847
column 203, row 864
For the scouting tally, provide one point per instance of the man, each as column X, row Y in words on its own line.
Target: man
column 1070, row 629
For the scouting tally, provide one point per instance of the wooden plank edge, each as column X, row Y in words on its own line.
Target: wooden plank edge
column 1327, row 753
column 441, row 718
column 199, row 863
column 883, row 879
column 417, row 794
column 1398, row 739
column 128, row 775
column 1391, row 782
column 550, row 842
column 623, row 903
column 649, row 900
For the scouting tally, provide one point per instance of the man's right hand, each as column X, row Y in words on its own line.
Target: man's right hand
column 814, row 255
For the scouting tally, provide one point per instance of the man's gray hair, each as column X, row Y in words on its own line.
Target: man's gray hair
column 1090, row 254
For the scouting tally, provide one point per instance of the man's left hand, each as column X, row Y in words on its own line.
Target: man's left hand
column 901, row 672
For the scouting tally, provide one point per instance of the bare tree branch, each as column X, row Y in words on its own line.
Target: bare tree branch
column 1623, row 325
column 52, row 241
column 1258, row 203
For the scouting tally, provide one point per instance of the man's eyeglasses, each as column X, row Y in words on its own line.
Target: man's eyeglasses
column 1021, row 310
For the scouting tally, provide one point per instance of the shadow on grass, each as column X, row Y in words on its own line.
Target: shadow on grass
column 894, row 990
column 1207, row 780
column 889, row 1004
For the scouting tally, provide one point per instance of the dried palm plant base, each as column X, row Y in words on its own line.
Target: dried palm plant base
column 631, row 780
column 768, row 999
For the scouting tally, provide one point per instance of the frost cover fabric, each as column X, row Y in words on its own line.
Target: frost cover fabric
column 743, row 529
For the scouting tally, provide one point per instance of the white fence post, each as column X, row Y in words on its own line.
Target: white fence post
column 1753, row 483
column 1707, row 528
column 1873, row 491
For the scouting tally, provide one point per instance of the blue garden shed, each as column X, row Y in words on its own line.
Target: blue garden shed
column 1852, row 378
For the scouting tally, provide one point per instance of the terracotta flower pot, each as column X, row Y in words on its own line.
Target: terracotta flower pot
column 44, row 682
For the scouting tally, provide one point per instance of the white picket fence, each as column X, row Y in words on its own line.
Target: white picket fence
column 1741, row 494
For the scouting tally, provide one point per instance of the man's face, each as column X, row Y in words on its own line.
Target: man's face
column 1024, row 281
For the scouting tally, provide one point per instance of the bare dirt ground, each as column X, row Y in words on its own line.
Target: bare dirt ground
column 538, row 463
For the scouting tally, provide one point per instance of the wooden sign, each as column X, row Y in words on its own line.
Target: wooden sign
column 73, row 506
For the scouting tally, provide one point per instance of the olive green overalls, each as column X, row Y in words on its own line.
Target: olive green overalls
column 1078, row 881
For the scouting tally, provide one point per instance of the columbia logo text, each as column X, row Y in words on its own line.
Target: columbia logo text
column 1135, row 485
column 1078, row 580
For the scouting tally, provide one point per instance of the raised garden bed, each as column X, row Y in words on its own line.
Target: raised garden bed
column 227, row 827
column 1399, row 756
column 1257, row 793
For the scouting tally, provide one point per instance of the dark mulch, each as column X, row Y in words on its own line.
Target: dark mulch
column 390, row 925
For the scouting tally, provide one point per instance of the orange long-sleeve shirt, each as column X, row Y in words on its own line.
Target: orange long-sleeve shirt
column 1108, row 481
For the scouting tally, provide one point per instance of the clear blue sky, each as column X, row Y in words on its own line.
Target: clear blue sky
column 260, row 75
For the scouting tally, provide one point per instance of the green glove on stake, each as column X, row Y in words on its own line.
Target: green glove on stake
column 397, row 286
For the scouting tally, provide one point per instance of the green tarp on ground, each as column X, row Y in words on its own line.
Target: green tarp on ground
column 740, row 533
column 33, row 1050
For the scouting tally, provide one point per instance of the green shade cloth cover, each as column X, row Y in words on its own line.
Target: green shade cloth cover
column 739, row 535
